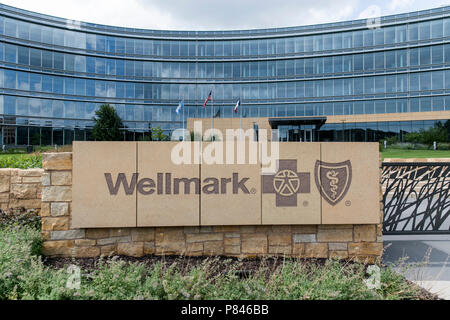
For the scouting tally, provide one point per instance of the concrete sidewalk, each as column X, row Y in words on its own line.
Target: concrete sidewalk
column 423, row 259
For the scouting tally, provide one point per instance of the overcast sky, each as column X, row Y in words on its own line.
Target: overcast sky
column 218, row 14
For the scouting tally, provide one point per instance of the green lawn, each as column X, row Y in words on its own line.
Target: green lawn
column 405, row 154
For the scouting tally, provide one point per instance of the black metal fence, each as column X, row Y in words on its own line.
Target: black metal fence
column 416, row 198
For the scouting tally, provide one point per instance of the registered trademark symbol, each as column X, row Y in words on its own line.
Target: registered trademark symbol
column 253, row 191
column 348, row 203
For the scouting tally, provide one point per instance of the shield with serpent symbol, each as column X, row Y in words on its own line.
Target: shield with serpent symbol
column 333, row 180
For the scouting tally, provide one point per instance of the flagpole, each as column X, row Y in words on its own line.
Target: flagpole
column 212, row 118
column 184, row 129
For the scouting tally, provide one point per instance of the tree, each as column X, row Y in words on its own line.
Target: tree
column 438, row 134
column 107, row 124
column 158, row 134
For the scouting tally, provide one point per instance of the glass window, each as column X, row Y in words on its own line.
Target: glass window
column 358, row 107
column 438, row 104
column 402, row 58
column 328, row 41
column 299, row 44
column 299, row 67
column 10, row 53
column 425, row 104
column 328, row 65
column 447, row 27
column 11, row 28
column 236, row 48
column 391, row 84
column 23, row 55
column 280, row 45
column 437, row 79
column 69, row 62
column 47, row 35
column 368, row 61
column 139, row 47
column 436, row 29
column 36, row 33
column 348, row 63
column 226, row 48
column 379, row 84
column 380, row 106
column 120, row 46
column 174, row 48
column 80, row 63
column 253, row 47
column 110, row 44
column 357, row 39
column 379, row 60
column 309, row 44
column 400, row 33
column 35, row 57
column 318, row 43
column 23, row 81
column 24, row 31
column 129, row 47
column 402, row 82
column 129, row 69
column 424, row 30
column 337, row 64
column 390, row 59
column 47, row 59
column 425, row 56
column 347, row 40
column 391, row 106
column 69, row 86
column 379, row 36
column 58, row 85
column 309, row 66
column 369, row 85
column 91, row 41
column 415, row 105
column 368, row 38
column 358, row 62
column 437, row 54
column 425, row 81
column 414, row 57
column 281, row 68
column 80, row 87
column 414, row 81
column 290, row 45
column 413, row 31
column 210, row 48
column 337, row 41
column 290, row 68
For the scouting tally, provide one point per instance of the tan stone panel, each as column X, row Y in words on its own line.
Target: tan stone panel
column 350, row 181
column 93, row 204
column 289, row 196
column 231, row 192
column 171, row 201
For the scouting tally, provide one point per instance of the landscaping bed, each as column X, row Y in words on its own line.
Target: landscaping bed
column 25, row 274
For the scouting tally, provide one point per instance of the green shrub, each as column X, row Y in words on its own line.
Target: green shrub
column 443, row 146
column 21, row 161
column 23, row 275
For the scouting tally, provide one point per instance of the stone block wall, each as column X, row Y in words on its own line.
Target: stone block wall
column 363, row 242
column 20, row 189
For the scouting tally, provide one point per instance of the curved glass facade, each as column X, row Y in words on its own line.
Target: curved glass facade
column 54, row 73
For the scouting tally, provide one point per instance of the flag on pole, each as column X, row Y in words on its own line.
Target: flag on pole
column 238, row 104
column 180, row 106
column 208, row 99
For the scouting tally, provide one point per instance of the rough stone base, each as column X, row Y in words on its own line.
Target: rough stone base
column 363, row 242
